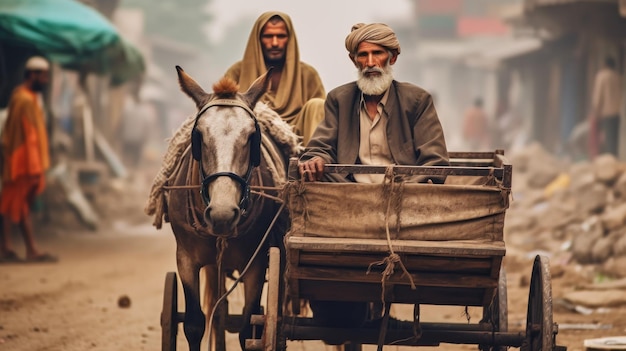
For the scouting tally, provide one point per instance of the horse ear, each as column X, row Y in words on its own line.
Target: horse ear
column 258, row 88
column 191, row 88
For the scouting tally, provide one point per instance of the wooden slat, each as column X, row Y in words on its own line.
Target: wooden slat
column 437, row 248
column 419, row 279
column 471, row 163
column 293, row 260
column 461, row 164
column 502, row 162
column 347, row 291
column 292, row 171
column 471, row 154
column 495, row 274
column 411, row 262
column 415, row 170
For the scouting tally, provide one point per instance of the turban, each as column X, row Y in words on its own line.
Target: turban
column 37, row 63
column 375, row 33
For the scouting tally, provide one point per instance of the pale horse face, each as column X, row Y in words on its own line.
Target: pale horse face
column 226, row 132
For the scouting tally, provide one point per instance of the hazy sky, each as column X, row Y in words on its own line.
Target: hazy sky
column 321, row 27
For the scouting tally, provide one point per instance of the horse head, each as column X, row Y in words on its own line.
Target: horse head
column 226, row 144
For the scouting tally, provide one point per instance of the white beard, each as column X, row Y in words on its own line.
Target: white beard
column 375, row 85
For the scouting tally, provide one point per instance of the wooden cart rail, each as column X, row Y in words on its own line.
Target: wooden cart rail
column 461, row 164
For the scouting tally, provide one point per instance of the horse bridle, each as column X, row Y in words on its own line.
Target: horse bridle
column 255, row 154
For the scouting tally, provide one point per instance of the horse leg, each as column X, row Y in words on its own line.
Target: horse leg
column 211, row 294
column 253, row 282
column 194, row 317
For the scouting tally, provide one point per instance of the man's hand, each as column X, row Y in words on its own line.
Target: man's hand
column 313, row 169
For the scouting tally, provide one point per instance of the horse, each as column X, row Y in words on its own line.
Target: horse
column 221, row 225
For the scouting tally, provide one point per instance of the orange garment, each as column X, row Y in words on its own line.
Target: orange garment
column 17, row 197
column 25, row 154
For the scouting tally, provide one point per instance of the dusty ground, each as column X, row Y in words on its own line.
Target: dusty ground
column 73, row 304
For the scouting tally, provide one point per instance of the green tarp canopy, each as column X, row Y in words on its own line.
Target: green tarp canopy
column 71, row 34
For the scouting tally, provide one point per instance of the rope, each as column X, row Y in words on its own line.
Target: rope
column 416, row 327
column 252, row 191
column 244, row 271
column 295, row 190
column 221, row 243
column 393, row 258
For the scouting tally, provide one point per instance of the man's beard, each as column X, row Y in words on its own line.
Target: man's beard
column 375, row 85
column 275, row 61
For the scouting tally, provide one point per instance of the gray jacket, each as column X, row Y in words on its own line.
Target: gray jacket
column 414, row 133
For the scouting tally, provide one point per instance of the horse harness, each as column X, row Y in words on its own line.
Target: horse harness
column 255, row 154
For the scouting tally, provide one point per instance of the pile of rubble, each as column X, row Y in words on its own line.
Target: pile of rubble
column 101, row 204
column 578, row 209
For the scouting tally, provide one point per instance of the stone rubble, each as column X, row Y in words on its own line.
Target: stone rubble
column 574, row 210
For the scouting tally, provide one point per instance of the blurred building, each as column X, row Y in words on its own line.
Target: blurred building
column 533, row 62
column 578, row 35
column 462, row 47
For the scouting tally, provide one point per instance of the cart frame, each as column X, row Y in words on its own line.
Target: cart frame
column 457, row 273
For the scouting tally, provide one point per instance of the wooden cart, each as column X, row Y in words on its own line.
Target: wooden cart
column 419, row 244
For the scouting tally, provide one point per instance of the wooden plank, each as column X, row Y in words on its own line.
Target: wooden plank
column 292, row 171
column 293, row 261
column 502, row 162
column 461, row 163
column 437, row 248
column 112, row 159
column 398, row 277
column 471, row 154
column 370, row 292
column 88, row 130
column 471, row 163
column 495, row 274
column 411, row 262
column 415, row 170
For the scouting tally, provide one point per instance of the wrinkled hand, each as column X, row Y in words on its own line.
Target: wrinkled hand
column 312, row 170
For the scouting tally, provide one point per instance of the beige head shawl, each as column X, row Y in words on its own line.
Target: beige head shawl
column 375, row 33
column 289, row 98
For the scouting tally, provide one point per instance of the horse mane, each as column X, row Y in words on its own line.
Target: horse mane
column 226, row 88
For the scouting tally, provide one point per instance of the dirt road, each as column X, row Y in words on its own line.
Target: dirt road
column 73, row 304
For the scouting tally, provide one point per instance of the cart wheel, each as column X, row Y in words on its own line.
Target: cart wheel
column 498, row 312
column 270, row 331
column 539, row 327
column 169, row 314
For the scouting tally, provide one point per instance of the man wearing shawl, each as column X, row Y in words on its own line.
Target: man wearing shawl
column 296, row 92
column 25, row 158
column 375, row 120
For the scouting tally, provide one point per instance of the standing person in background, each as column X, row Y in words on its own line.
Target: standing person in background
column 476, row 132
column 296, row 91
column 25, row 158
column 606, row 104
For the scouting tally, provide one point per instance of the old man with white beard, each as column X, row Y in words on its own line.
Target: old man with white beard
column 375, row 120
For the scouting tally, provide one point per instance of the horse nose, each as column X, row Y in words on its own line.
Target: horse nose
column 223, row 219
